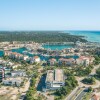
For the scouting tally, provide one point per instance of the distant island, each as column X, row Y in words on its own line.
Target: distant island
column 39, row 36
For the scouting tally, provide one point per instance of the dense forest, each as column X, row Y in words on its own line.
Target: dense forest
column 39, row 36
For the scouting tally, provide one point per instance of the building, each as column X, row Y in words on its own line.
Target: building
column 15, row 55
column 25, row 57
column 52, row 62
column 35, row 59
column 12, row 81
column 85, row 61
column 95, row 96
column 18, row 73
column 64, row 61
column 1, row 74
column 7, row 71
column 54, row 79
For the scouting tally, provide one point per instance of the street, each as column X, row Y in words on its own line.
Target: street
column 79, row 97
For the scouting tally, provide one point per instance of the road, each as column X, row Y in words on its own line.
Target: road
column 79, row 79
column 80, row 96
column 72, row 94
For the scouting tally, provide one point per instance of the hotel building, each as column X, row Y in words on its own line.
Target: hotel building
column 54, row 79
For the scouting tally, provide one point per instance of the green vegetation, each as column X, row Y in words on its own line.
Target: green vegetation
column 97, row 76
column 87, row 96
column 97, row 51
column 81, row 71
column 89, row 80
column 32, row 90
column 90, row 89
column 98, row 72
column 97, row 60
column 70, row 84
column 39, row 36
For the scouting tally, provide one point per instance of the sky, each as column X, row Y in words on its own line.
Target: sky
column 49, row 14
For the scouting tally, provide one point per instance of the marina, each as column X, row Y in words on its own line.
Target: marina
column 57, row 46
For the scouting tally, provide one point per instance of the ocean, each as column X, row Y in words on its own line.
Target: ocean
column 92, row 36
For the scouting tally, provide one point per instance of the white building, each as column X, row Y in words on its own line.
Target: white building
column 35, row 59
column 18, row 73
column 54, row 79
column 85, row 61
column 12, row 81
column 15, row 55
column 25, row 57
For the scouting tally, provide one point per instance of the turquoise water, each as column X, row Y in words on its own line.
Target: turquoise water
column 1, row 53
column 20, row 50
column 92, row 36
column 57, row 47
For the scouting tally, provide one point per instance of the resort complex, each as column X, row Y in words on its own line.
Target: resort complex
column 49, row 49
column 51, row 73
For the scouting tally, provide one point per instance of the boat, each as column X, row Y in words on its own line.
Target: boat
column 25, row 52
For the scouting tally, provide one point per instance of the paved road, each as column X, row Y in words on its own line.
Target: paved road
column 80, row 96
column 72, row 94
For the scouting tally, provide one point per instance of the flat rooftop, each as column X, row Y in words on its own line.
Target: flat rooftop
column 55, row 75
column 13, row 79
column 50, row 75
column 59, row 75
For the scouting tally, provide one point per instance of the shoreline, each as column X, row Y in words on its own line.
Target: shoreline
column 90, row 35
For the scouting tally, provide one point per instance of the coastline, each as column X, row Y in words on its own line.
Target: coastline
column 89, row 35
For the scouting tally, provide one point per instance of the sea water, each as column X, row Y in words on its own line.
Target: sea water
column 92, row 36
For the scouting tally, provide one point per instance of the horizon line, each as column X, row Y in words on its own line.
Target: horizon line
column 53, row 30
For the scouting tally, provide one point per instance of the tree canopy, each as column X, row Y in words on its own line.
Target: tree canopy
column 39, row 36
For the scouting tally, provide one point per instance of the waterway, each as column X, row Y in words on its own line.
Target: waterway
column 20, row 50
column 1, row 53
column 57, row 47
column 93, row 36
